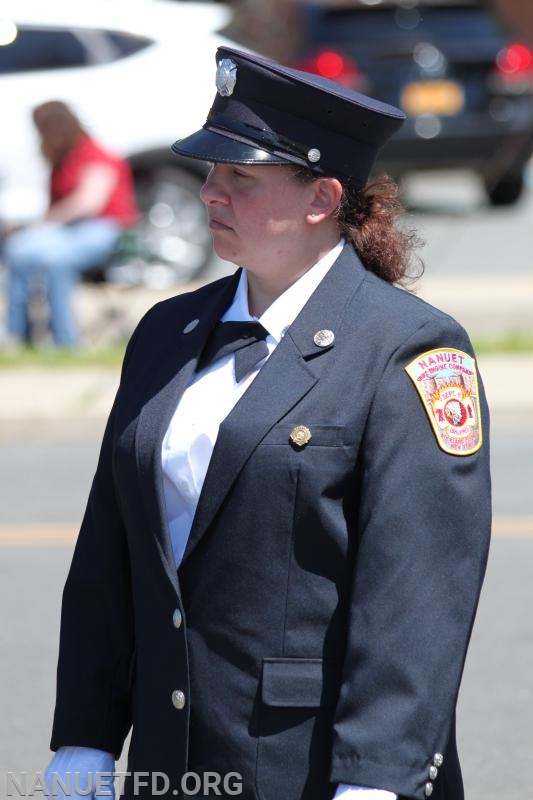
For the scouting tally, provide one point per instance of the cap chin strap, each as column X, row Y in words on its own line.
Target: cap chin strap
column 264, row 138
column 284, row 158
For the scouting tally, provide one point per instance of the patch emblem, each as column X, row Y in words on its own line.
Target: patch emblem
column 446, row 380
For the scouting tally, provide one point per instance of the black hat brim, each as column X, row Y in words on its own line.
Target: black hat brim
column 208, row 145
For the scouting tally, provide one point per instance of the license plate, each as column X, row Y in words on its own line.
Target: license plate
column 444, row 98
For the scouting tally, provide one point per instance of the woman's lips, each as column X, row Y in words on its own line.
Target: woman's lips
column 217, row 225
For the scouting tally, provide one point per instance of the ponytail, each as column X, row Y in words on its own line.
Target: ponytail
column 369, row 218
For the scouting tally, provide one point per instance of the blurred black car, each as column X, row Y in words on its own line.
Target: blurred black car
column 464, row 82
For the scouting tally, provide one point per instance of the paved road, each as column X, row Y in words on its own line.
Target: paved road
column 465, row 240
column 495, row 711
column 465, row 237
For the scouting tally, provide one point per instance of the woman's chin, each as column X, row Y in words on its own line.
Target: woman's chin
column 224, row 251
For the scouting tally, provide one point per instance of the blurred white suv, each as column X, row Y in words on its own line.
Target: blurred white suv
column 140, row 74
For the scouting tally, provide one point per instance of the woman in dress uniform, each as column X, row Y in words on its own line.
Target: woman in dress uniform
column 278, row 569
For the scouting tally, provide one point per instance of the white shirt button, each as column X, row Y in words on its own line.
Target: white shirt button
column 185, row 487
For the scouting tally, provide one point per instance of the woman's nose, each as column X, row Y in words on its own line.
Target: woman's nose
column 212, row 191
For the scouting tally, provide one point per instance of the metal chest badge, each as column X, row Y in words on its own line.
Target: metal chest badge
column 300, row 435
column 226, row 77
column 446, row 380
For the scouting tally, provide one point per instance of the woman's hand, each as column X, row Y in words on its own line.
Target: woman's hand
column 77, row 768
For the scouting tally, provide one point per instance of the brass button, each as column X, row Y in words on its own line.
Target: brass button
column 300, row 435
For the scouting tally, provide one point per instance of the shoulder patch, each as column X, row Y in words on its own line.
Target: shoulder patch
column 446, row 380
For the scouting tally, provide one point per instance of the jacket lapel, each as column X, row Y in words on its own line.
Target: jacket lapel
column 172, row 373
column 291, row 371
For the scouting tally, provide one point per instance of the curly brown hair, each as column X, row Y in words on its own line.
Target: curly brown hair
column 370, row 218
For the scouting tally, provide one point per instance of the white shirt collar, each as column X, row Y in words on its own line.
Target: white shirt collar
column 284, row 310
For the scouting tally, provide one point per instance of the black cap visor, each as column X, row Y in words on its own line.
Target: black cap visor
column 208, row 145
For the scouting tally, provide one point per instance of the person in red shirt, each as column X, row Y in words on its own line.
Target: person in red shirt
column 91, row 202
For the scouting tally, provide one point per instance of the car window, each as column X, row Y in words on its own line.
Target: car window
column 37, row 49
column 442, row 24
column 127, row 43
column 33, row 49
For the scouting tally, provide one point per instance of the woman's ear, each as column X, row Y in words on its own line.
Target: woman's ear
column 327, row 193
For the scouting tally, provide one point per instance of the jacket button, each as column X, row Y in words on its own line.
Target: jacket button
column 178, row 699
column 438, row 760
column 428, row 789
column 177, row 618
column 433, row 772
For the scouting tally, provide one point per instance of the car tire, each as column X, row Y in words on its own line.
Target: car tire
column 174, row 235
column 507, row 190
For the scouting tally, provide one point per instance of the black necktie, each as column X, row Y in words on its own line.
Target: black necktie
column 245, row 339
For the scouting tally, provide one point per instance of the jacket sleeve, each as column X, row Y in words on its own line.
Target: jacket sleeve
column 423, row 532
column 96, row 640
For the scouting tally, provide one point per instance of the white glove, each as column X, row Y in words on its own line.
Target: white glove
column 345, row 792
column 79, row 768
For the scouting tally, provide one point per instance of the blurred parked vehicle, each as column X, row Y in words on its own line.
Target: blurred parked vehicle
column 464, row 82
column 139, row 74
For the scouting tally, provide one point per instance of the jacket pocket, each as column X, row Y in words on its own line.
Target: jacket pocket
column 290, row 694
column 321, row 435
column 292, row 682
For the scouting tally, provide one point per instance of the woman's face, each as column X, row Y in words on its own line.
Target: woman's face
column 257, row 214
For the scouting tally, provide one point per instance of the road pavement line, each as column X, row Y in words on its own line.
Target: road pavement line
column 51, row 534
column 512, row 527
column 29, row 535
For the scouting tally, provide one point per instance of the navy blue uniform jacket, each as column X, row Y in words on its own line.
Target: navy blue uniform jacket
column 327, row 591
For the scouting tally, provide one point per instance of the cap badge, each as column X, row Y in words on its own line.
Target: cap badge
column 446, row 380
column 190, row 326
column 314, row 155
column 226, row 77
column 324, row 338
column 300, row 435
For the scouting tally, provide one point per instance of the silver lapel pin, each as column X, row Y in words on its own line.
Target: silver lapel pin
column 190, row 326
column 324, row 338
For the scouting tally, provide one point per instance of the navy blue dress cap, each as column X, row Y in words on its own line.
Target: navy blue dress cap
column 265, row 113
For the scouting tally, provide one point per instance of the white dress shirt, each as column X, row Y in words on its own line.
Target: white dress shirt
column 190, row 438
column 211, row 395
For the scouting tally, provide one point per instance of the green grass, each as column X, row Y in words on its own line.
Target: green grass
column 111, row 356
column 513, row 343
